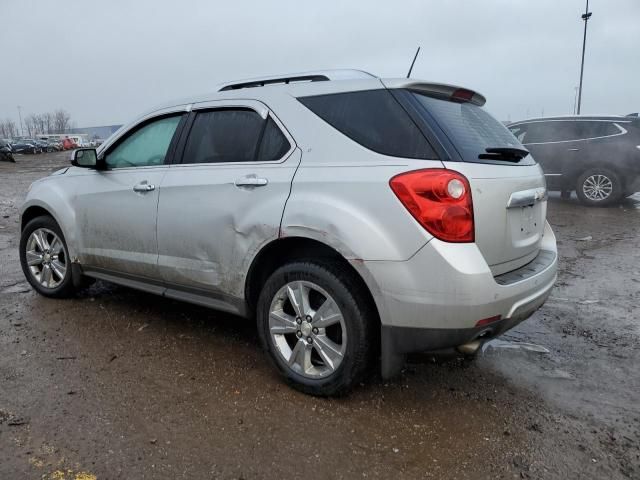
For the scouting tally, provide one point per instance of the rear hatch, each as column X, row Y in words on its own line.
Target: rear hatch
column 508, row 187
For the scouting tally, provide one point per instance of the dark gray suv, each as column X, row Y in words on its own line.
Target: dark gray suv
column 598, row 157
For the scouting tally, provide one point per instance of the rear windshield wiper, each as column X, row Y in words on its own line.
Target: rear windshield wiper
column 507, row 154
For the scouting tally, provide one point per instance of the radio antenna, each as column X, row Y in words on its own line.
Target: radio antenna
column 413, row 63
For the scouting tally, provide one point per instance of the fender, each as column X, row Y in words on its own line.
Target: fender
column 51, row 197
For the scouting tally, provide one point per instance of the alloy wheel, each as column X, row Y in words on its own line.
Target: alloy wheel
column 597, row 187
column 46, row 257
column 308, row 329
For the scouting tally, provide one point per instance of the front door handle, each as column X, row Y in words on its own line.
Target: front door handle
column 251, row 181
column 144, row 187
column 573, row 149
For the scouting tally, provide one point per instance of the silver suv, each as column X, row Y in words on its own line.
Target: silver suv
column 356, row 218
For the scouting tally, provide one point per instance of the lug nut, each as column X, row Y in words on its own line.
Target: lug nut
column 299, row 333
column 298, row 320
column 309, row 340
column 308, row 318
column 315, row 330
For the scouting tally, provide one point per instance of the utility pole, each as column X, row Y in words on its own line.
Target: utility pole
column 585, row 17
column 20, row 117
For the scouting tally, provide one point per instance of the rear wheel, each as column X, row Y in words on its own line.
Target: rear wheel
column 599, row 187
column 45, row 258
column 316, row 323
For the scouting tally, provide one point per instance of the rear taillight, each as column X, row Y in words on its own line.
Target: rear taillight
column 440, row 200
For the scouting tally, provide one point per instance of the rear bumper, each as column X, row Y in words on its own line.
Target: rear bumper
column 402, row 340
column 435, row 299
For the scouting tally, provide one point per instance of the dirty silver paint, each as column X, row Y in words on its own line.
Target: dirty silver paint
column 195, row 236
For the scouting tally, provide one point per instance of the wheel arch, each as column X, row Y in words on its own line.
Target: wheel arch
column 35, row 208
column 287, row 249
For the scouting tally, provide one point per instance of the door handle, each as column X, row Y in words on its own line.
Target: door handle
column 573, row 149
column 144, row 187
column 251, row 181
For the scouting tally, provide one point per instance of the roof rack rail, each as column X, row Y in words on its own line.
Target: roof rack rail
column 262, row 83
column 320, row 76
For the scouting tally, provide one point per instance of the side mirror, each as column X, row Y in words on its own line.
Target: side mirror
column 86, row 158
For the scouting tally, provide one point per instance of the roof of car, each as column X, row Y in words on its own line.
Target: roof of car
column 314, row 82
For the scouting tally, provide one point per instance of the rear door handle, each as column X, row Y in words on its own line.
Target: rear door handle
column 251, row 181
column 573, row 149
column 144, row 187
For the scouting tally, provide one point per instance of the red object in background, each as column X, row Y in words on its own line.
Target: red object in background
column 68, row 144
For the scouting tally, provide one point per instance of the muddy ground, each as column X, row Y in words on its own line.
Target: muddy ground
column 123, row 384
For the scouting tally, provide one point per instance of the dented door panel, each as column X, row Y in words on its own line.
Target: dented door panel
column 211, row 221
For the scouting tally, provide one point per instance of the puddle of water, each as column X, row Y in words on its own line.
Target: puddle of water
column 17, row 288
column 527, row 347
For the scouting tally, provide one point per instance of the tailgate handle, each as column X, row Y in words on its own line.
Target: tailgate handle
column 527, row 198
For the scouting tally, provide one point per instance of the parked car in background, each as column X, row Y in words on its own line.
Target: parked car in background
column 43, row 145
column 6, row 152
column 597, row 156
column 356, row 218
column 68, row 144
column 24, row 146
column 54, row 145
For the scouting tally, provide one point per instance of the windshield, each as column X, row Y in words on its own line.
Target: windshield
column 472, row 130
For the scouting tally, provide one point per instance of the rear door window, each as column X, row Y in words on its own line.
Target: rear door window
column 375, row 120
column 234, row 135
column 594, row 129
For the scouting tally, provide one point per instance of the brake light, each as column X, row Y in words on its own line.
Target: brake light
column 440, row 200
column 462, row 95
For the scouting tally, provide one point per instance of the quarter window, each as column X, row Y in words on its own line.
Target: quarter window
column 146, row 146
column 234, row 135
column 374, row 119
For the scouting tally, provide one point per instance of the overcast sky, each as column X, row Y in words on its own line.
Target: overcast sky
column 105, row 62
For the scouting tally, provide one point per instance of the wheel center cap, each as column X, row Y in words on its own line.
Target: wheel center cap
column 47, row 257
column 306, row 329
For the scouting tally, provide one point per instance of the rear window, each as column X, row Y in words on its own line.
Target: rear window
column 375, row 120
column 470, row 128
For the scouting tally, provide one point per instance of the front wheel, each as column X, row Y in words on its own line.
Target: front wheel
column 317, row 325
column 599, row 187
column 45, row 258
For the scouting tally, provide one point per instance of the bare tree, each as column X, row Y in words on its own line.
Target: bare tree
column 61, row 120
column 48, row 122
column 10, row 129
column 31, row 123
column 40, row 124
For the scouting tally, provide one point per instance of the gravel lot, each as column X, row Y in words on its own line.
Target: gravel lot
column 122, row 384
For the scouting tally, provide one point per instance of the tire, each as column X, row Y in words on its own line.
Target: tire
column 565, row 194
column 599, row 187
column 54, row 254
column 353, row 332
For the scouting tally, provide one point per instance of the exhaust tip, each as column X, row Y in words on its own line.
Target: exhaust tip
column 469, row 348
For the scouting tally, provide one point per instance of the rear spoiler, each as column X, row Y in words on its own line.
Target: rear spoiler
column 451, row 92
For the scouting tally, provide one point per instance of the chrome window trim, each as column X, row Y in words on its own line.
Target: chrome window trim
column 623, row 130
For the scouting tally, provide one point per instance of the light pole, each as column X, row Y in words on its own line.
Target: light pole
column 585, row 17
column 20, row 117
